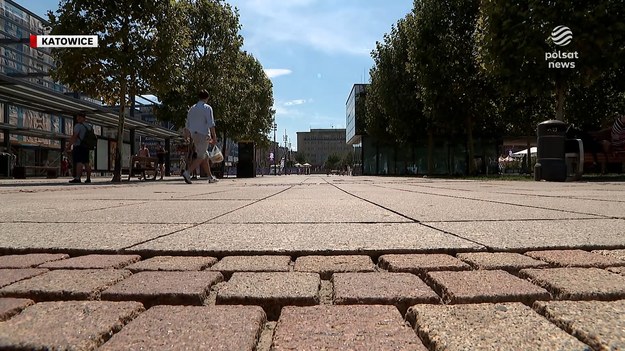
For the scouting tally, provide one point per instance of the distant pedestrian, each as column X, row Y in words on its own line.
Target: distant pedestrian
column 618, row 133
column 80, row 153
column 160, row 153
column 144, row 151
column 201, row 126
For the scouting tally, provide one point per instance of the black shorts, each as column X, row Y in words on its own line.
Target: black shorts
column 80, row 154
column 161, row 159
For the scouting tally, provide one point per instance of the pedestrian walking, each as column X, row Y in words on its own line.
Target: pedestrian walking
column 201, row 126
column 80, row 152
column 160, row 154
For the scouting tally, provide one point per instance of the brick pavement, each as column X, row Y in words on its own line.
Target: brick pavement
column 341, row 291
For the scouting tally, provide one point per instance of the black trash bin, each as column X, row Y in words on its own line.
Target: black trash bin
column 245, row 167
column 551, row 162
column 5, row 164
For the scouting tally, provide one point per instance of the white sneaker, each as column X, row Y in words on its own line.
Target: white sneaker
column 187, row 178
column 213, row 180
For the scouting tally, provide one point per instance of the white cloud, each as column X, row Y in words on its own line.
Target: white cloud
column 327, row 26
column 277, row 72
column 295, row 102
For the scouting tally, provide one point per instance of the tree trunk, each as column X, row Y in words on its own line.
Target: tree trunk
column 470, row 146
column 224, row 151
column 560, row 99
column 117, row 173
column 430, row 152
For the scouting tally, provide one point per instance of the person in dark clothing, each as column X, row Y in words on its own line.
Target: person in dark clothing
column 80, row 153
column 160, row 153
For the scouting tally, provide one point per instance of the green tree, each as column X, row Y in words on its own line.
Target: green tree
column 393, row 89
column 442, row 59
column 300, row 158
column 240, row 92
column 332, row 161
column 514, row 39
column 138, row 40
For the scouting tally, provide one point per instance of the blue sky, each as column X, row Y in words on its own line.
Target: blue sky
column 313, row 51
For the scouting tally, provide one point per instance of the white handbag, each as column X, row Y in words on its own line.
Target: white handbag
column 214, row 154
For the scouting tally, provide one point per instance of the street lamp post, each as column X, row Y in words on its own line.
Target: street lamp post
column 275, row 128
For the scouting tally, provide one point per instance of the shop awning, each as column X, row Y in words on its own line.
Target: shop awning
column 37, row 98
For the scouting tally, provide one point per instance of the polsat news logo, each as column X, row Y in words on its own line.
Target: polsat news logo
column 63, row 41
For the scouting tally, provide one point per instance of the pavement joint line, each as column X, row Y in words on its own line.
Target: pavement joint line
column 520, row 220
column 510, row 193
column 375, row 204
column 266, row 336
column 502, row 203
column 205, row 222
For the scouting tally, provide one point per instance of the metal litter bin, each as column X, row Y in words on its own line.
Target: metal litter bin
column 551, row 162
column 245, row 167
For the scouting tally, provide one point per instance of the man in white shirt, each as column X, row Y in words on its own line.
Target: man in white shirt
column 201, row 124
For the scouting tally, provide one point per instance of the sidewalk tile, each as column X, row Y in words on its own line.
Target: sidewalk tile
column 327, row 265
column 70, row 325
column 399, row 289
column 485, row 286
column 597, row 323
column 575, row 258
column 507, row 261
column 10, row 276
column 191, row 328
column 10, row 306
column 66, row 284
column 93, row 262
column 29, row 260
column 502, row 326
column 344, row 328
column 620, row 254
column 172, row 263
column 231, row 264
column 165, row 288
column 421, row 263
column 272, row 291
column 578, row 283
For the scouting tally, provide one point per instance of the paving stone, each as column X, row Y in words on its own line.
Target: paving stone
column 10, row 276
column 344, row 328
column 618, row 270
column 327, row 265
column 10, row 306
column 575, row 258
column 421, row 263
column 507, row 261
column 66, row 284
column 485, row 286
column 29, row 260
column 399, row 289
column 169, row 288
column 69, row 325
column 231, row 264
column 93, row 262
column 191, row 328
column 503, row 326
column 578, row 283
column 173, row 263
column 620, row 254
column 597, row 323
column 272, row 291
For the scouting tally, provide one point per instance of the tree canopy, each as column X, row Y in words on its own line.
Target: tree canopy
column 455, row 68
column 168, row 48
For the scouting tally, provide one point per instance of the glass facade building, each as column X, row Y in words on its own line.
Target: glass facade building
column 449, row 156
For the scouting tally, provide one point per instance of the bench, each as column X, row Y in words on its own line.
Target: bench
column 603, row 161
column 139, row 165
